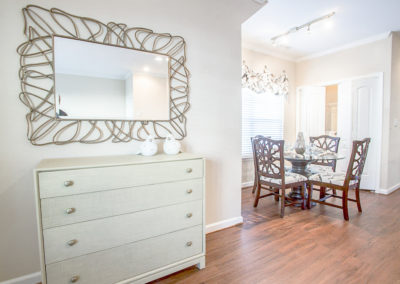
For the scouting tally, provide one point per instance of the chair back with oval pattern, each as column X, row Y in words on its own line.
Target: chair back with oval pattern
column 327, row 143
column 268, row 157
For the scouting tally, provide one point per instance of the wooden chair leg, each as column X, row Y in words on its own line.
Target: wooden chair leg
column 257, row 195
column 254, row 185
column 276, row 194
column 345, row 207
column 322, row 191
column 283, row 203
column 334, row 191
column 310, row 190
column 358, row 199
column 303, row 200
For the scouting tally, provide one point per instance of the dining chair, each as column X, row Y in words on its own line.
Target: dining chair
column 271, row 175
column 342, row 181
column 326, row 143
column 254, row 158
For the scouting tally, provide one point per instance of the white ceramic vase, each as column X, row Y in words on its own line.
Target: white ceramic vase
column 171, row 145
column 149, row 147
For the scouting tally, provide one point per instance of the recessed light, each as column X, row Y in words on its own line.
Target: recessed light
column 158, row 58
column 146, row 69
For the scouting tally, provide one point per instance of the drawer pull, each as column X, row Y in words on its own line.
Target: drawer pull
column 189, row 215
column 189, row 191
column 189, row 244
column 72, row 242
column 74, row 279
column 68, row 183
column 189, row 170
column 70, row 210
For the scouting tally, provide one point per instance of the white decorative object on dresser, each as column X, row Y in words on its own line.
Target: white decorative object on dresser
column 120, row 219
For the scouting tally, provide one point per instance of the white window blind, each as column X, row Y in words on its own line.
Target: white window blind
column 262, row 114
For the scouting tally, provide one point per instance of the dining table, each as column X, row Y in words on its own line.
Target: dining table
column 300, row 164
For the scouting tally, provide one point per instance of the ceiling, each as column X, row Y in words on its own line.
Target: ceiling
column 354, row 21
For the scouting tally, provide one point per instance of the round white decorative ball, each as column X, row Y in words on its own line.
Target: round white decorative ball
column 171, row 146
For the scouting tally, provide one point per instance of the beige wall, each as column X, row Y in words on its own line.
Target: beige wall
column 358, row 61
column 393, row 177
column 214, row 60
column 256, row 61
column 331, row 100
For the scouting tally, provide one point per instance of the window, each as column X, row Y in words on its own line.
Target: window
column 262, row 114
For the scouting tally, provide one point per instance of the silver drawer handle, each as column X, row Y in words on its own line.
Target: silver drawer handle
column 189, row 170
column 189, row 215
column 189, row 191
column 70, row 210
column 72, row 242
column 74, row 279
column 189, row 244
column 68, row 183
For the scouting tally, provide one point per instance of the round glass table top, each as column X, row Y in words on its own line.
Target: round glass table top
column 311, row 155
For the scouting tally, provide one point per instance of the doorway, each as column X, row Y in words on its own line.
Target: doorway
column 350, row 109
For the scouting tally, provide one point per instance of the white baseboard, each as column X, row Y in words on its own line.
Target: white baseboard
column 247, row 184
column 388, row 190
column 223, row 224
column 32, row 278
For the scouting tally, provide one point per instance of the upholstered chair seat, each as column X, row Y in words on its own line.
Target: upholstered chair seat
column 331, row 178
column 289, row 178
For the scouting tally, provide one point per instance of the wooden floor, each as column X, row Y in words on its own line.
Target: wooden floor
column 311, row 246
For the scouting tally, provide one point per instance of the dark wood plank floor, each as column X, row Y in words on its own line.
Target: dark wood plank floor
column 311, row 246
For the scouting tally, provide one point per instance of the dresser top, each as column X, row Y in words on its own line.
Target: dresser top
column 109, row 161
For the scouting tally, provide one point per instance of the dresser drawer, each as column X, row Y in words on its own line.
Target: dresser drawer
column 71, row 209
column 124, row 262
column 82, row 238
column 69, row 182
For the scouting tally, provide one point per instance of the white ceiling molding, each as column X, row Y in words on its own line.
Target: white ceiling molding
column 346, row 46
column 263, row 50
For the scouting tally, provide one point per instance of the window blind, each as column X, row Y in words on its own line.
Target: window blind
column 262, row 114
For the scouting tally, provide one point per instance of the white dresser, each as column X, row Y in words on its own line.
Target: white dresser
column 120, row 219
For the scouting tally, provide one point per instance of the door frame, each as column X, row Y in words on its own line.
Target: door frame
column 379, row 135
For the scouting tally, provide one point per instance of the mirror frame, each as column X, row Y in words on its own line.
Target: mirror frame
column 37, row 78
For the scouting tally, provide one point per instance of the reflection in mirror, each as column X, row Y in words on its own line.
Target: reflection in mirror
column 103, row 82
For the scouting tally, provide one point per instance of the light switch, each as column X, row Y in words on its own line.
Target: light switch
column 395, row 122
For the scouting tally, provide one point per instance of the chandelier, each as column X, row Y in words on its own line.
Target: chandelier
column 264, row 82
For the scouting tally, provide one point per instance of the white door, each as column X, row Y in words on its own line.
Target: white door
column 359, row 117
column 311, row 111
column 344, row 120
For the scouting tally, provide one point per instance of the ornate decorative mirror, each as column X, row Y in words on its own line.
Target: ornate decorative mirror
column 89, row 82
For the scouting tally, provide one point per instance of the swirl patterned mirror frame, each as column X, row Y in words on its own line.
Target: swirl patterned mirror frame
column 37, row 78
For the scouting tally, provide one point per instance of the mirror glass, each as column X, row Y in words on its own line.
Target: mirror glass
column 102, row 82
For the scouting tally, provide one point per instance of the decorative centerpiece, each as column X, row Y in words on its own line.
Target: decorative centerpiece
column 171, row 145
column 300, row 144
column 149, row 146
